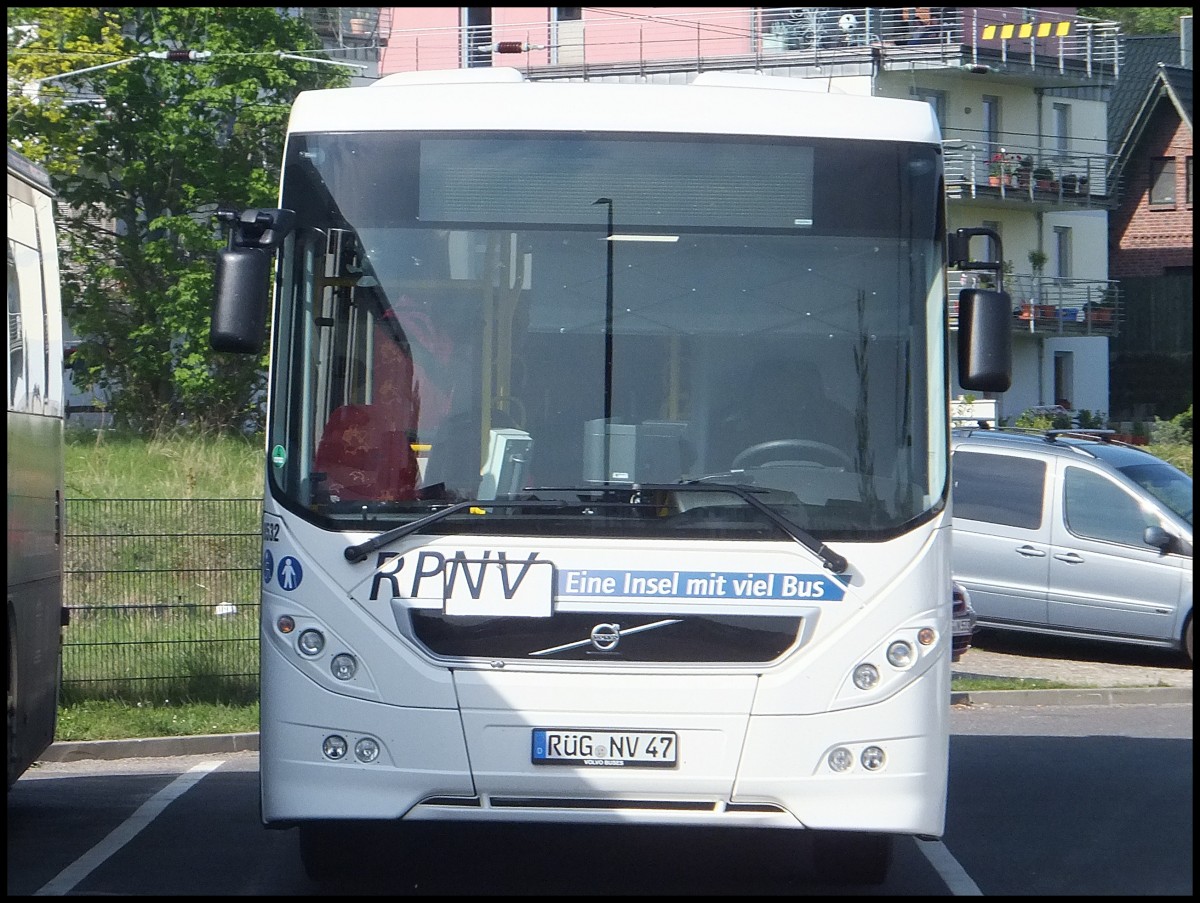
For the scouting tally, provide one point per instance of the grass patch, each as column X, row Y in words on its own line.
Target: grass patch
column 112, row 464
column 976, row 684
column 119, row 720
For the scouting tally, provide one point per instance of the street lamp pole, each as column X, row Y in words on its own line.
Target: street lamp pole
column 608, row 333
column 608, row 313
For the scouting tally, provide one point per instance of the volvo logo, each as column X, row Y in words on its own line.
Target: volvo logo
column 606, row 636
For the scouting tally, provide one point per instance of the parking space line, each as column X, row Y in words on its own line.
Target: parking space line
column 954, row 875
column 69, row 877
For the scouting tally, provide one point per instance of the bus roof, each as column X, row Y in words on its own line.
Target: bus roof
column 502, row 99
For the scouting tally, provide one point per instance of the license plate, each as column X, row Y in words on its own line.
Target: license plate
column 600, row 748
column 962, row 625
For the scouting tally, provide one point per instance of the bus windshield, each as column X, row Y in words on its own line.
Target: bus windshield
column 509, row 316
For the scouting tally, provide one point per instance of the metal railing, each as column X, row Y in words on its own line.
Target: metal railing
column 1047, row 304
column 163, row 596
column 1020, row 170
column 1015, row 37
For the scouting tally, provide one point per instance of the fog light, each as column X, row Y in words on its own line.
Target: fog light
column 926, row 636
column 866, row 676
column 334, row 747
column 311, row 642
column 343, row 666
column 285, row 624
column 872, row 758
column 841, row 759
column 366, row 749
column 900, row 654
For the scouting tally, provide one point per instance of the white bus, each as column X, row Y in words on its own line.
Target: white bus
column 35, row 466
column 607, row 459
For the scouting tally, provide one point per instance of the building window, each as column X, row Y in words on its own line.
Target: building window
column 991, row 124
column 936, row 99
column 477, row 36
column 1187, row 180
column 1062, row 252
column 568, row 13
column 1062, row 130
column 989, row 248
column 1162, row 182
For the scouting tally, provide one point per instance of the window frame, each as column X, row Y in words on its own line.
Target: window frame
column 1161, row 174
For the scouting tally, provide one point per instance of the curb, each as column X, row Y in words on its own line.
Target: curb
column 149, row 747
column 1085, row 696
column 209, row 744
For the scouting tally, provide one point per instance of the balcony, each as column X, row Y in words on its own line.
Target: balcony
column 1009, row 42
column 350, row 26
column 1051, row 306
column 1025, row 174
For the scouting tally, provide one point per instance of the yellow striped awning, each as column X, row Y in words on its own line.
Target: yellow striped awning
column 1026, row 30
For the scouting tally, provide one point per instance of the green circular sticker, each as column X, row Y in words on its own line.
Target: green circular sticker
column 278, row 456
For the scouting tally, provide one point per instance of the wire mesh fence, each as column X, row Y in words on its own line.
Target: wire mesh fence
column 163, row 599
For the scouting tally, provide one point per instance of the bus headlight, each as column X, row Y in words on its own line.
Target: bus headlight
column 841, row 759
column 343, row 666
column 872, row 758
column 334, row 747
column 866, row 676
column 900, row 654
column 311, row 642
column 366, row 749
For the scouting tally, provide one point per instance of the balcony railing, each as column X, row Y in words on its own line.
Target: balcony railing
column 1025, row 172
column 1050, row 305
column 1013, row 38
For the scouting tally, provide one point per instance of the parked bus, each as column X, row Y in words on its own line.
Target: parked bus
column 607, row 459
column 35, row 466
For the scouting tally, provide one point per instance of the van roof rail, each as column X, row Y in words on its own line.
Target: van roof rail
column 1102, row 435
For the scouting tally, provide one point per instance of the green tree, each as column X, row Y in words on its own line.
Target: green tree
column 154, row 145
column 1140, row 20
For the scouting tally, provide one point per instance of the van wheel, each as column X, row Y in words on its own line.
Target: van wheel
column 850, row 857
column 1187, row 640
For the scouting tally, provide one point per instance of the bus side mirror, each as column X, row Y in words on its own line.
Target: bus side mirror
column 984, row 340
column 239, row 316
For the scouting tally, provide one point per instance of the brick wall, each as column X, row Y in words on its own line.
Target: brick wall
column 1150, row 239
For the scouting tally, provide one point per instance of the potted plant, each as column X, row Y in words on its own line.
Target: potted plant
column 1024, row 174
column 1000, row 169
column 1043, row 178
column 996, row 170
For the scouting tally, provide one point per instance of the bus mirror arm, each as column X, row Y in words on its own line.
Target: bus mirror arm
column 257, row 227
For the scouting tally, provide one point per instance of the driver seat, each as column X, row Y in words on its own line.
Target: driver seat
column 363, row 459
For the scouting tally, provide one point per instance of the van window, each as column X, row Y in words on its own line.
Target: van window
column 998, row 489
column 1097, row 508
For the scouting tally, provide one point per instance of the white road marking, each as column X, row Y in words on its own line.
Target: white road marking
column 66, row 880
column 955, row 876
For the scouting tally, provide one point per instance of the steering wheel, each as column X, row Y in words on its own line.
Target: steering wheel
column 792, row 450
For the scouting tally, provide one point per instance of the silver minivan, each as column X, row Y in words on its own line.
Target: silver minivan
column 1067, row 532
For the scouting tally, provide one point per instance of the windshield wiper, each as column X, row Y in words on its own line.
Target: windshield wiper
column 359, row 552
column 831, row 559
